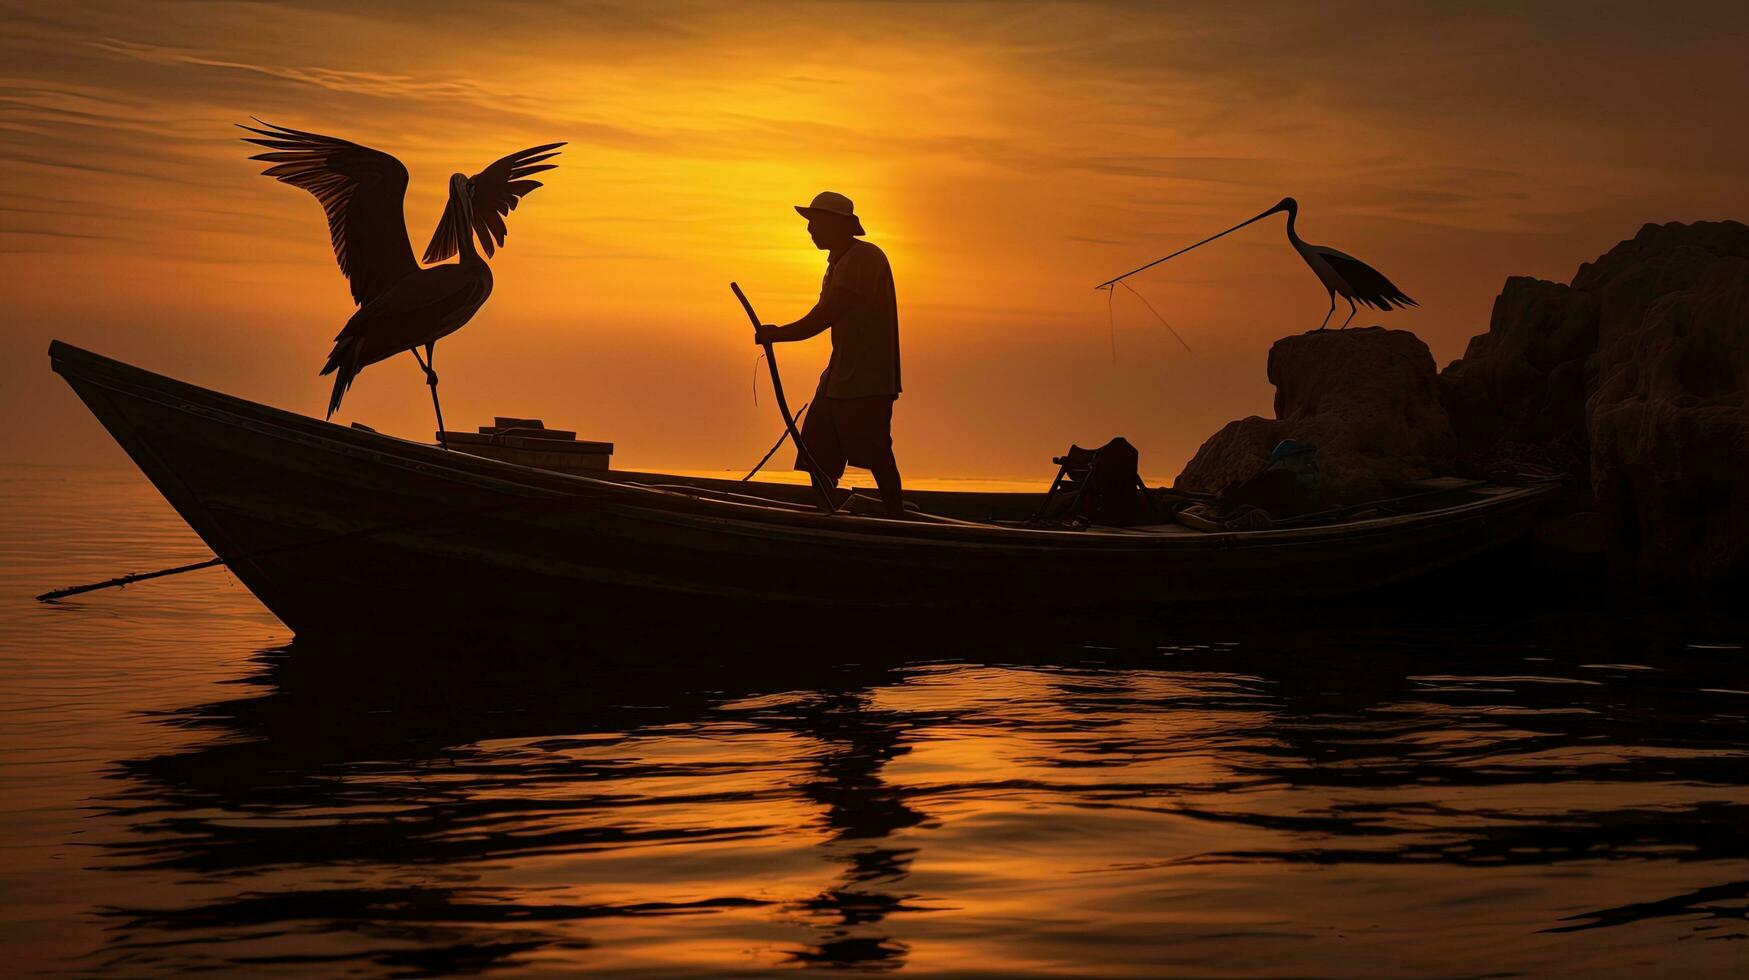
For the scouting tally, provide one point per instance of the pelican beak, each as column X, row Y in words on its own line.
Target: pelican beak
column 464, row 212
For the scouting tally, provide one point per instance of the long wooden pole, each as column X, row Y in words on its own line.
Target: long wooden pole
column 815, row 476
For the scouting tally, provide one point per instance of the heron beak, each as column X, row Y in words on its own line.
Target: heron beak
column 1283, row 206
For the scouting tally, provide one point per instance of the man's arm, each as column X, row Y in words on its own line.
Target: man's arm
column 837, row 302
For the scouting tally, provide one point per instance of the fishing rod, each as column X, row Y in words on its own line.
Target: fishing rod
column 816, row 476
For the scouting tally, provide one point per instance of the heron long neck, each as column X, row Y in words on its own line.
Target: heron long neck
column 1292, row 236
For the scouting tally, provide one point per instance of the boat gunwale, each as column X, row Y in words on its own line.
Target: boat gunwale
column 518, row 480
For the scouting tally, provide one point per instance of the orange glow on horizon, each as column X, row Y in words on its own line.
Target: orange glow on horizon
column 1006, row 158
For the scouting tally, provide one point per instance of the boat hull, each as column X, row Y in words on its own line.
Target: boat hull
column 339, row 530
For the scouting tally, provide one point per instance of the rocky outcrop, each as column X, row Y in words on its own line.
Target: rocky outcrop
column 1368, row 399
column 1636, row 373
column 1668, row 409
column 1633, row 378
column 1518, row 394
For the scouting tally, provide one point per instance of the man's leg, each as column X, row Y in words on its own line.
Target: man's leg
column 886, row 474
column 867, row 424
column 820, row 436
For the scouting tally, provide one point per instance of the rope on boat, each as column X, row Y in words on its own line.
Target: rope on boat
column 800, row 413
column 298, row 545
column 126, row 580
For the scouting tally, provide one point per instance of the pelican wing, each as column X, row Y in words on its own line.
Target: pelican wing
column 1369, row 284
column 497, row 189
column 360, row 189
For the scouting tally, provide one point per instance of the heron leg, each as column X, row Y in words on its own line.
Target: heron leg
column 431, row 379
column 1329, row 311
column 1352, row 309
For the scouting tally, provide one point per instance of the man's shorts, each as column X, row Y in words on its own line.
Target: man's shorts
column 858, row 431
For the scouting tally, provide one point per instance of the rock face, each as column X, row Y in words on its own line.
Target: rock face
column 1368, row 399
column 1637, row 372
column 1633, row 378
column 1519, row 391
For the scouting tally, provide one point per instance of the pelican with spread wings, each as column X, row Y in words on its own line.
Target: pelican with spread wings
column 401, row 306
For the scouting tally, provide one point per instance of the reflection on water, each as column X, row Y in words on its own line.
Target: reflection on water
column 1401, row 789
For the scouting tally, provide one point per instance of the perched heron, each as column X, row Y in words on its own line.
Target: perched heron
column 1342, row 274
column 401, row 306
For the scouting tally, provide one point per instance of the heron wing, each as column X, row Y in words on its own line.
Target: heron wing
column 497, row 189
column 1369, row 284
column 360, row 189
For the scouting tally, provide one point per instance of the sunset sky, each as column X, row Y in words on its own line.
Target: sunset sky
column 1007, row 156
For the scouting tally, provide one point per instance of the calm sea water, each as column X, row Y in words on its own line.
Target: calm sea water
column 1419, row 787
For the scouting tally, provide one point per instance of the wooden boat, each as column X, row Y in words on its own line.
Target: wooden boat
column 339, row 529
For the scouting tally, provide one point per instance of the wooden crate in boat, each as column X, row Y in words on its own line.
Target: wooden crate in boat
column 527, row 442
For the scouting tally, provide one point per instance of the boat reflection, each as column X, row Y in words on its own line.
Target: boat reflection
column 858, row 738
column 354, row 756
column 463, row 810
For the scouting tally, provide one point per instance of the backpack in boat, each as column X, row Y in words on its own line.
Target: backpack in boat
column 1286, row 487
column 1099, row 486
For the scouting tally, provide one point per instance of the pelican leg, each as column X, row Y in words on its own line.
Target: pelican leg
column 1329, row 311
column 1352, row 309
column 431, row 379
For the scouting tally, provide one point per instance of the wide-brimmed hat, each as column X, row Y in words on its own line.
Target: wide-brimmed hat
column 832, row 202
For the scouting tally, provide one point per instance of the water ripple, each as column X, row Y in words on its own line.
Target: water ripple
column 1398, row 790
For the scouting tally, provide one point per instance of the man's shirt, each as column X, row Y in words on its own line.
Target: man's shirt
column 865, row 341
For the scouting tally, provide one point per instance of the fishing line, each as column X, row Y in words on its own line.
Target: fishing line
column 1156, row 313
column 1111, row 320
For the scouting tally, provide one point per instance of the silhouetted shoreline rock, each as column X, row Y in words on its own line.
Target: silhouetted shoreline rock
column 1633, row 379
column 1368, row 399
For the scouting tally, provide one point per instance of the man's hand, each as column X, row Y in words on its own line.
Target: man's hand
column 818, row 320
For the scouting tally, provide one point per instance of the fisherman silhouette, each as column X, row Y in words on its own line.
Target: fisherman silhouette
column 852, row 415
